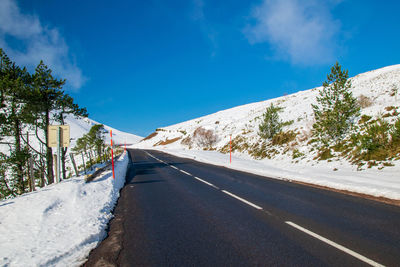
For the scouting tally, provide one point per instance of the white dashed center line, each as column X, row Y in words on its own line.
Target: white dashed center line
column 207, row 183
column 243, row 200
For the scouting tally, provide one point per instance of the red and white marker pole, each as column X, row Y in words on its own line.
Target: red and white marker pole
column 230, row 149
column 112, row 155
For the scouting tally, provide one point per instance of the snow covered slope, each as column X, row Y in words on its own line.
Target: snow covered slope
column 377, row 85
column 81, row 126
column 295, row 161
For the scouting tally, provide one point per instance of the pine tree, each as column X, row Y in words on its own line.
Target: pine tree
column 14, row 83
column 336, row 108
column 65, row 105
column 271, row 124
column 47, row 92
column 95, row 138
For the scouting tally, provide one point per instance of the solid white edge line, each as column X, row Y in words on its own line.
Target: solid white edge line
column 172, row 166
column 207, row 183
column 243, row 200
column 333, row 244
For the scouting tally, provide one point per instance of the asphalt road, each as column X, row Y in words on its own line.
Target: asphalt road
column 179, row 212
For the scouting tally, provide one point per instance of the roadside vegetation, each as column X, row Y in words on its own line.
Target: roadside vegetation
column 29, row 103
column 340, row 130
column 92, row 146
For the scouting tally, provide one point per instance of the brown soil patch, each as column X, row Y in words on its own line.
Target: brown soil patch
column 167, row 142
column 150, row 136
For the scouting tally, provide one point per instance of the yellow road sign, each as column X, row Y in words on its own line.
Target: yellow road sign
column 53, row 138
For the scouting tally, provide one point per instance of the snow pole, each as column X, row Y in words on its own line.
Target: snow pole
column 230, row 149
column 112, row 155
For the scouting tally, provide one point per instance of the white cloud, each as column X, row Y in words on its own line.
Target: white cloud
column 198, row 12
column 38, row 43
column 209, row 32
column 302, row 32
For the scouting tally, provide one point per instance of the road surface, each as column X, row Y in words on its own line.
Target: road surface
column 179, row 212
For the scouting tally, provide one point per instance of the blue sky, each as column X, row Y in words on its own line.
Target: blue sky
column 139, row 65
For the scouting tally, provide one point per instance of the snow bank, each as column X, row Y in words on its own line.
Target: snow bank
column 60, row 224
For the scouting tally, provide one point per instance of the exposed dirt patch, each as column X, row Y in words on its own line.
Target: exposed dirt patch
column 150, row 136
column 167, row 142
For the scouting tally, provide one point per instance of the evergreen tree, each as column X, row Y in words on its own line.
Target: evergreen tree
column 14, row 83
column 29, row 101
column 336, row 107
column 47, row 92
column 95, row 138
column 271, row 124
column 65, row 105
column 80, row 147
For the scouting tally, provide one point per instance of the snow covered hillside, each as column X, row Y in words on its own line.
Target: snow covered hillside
column 81, row 126
column 377, row 93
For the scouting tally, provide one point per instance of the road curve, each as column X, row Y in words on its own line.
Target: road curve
column 179, row 212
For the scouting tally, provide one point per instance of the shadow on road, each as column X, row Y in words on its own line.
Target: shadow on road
column 144, row 168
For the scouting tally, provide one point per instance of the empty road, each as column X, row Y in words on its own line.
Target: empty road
column 179, row 212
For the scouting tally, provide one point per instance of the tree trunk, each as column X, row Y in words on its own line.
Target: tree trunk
column 18, row 161
column 63, row 153
column 90, row 159
column 83, row 160
column 49, row 151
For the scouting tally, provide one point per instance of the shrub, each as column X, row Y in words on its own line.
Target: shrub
column 364, row 101
column 364, row 119
column 271, row 123
column 282, row 137
column 187, row 141
column 376, row 136
column 239, row 143
column 204, row 138
column 395, row 132
column 297, row 154
column 324, row 153
column 394, row 91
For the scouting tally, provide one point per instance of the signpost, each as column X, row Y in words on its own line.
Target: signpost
column 58, row 136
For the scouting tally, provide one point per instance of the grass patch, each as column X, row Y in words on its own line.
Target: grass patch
column 324, row 153
column 297, row 154
column 282, row 137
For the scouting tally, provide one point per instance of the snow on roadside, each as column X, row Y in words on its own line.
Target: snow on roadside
column 371, row 182
column 60, row 224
